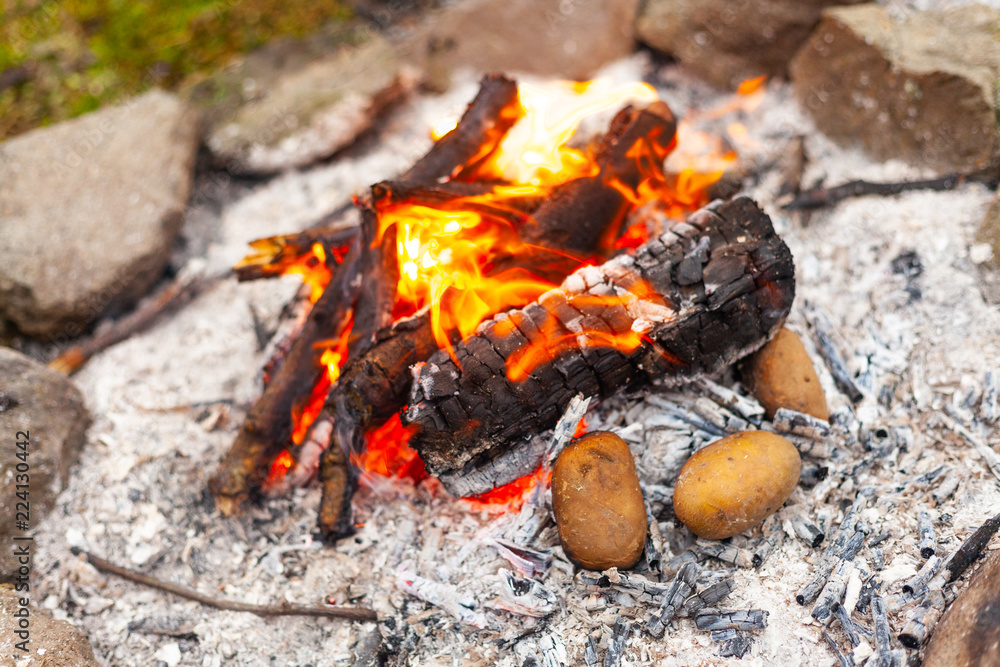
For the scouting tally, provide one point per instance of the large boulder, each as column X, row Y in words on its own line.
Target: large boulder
column 315, row 111
column 89, row 211
column 51, row 643
column 727, row 42
column 49, row 410
column 569, row 39
column 920, row 86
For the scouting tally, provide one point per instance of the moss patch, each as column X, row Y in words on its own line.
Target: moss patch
column 64, row 58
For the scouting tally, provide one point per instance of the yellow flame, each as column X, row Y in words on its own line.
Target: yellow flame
column 535, row 151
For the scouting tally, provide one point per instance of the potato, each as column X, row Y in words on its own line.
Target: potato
column 781, row 375
column 735, row 483
column 969, row 632
column 598, row 504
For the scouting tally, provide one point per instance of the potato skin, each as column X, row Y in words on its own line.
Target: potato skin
column 598, row 504
column 735, row 483
column 781, row 375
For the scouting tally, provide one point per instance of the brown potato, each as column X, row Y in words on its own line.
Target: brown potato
column 735, row 483
column 598, row 504
column 969, row 632
column 781, row 375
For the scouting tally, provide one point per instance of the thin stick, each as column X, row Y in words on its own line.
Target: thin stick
column 283, row 609
column 820, row 197
column 183, row 289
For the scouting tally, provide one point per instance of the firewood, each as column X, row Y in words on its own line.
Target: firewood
column 268, row 424
column 458, row 154
column 722, row 283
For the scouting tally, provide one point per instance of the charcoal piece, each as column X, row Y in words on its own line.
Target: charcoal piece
column 972, row 548
column 737, row 646
column 928, row 540
column 737, row 619
column 679, row 345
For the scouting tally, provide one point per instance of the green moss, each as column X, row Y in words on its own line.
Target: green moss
column 80, row 54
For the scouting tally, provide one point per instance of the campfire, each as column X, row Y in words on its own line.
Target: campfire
column 478, row 291
column 565, row 260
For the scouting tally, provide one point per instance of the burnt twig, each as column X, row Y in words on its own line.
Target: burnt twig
column 184, row 288
column 283, row 609
column 820, row 197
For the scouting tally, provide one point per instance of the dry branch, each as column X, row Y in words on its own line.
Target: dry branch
column 723, row 283
column 271, row 255
column 283, row 609
column 182, row 290
column 820, row 197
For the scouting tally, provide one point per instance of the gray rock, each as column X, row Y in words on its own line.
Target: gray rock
column 985, row 254
column 313, row 112
column 50, row 410
column 52, row 643
column 563, row 38
column 921, row 87
column 728, row 42
column 89, row 211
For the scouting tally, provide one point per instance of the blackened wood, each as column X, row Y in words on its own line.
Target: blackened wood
column 272, row 253
column 583, row 212
column 820, row 197
column 268, row 425
column 378, row 275
column 171, row 297
column 972, row 548
column 725, row 283
column 372, row 387
column 477, row 136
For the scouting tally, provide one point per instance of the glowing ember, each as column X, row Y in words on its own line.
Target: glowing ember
column 510, row 497
column 387, row 453
column 279, row 469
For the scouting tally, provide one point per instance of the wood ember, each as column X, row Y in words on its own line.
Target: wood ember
column 822, row 330
column 736, row 619
column 680, row 589
column 972, row 548
column 928, row 540
column 722, row 300
column 807, row 530
column 475, row 138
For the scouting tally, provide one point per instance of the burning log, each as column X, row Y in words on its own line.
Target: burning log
column 700, row 296
column 459, row 154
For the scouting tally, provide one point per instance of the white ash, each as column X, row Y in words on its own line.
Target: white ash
column 168, row 403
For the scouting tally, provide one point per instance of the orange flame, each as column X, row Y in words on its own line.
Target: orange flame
column 313, row 269
column 511, row 496
column 332, row 358
column 535, row 152
column 388, row 454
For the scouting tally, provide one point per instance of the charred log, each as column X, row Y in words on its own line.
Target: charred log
column 721, row 284
column 459, row 154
